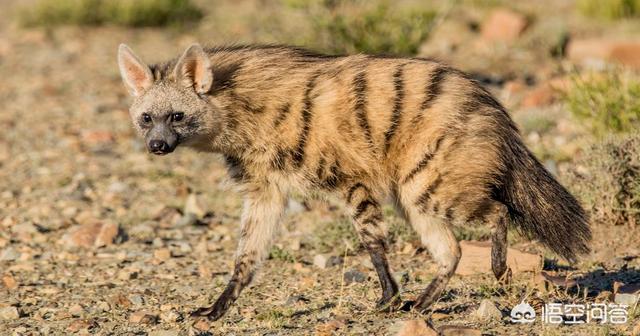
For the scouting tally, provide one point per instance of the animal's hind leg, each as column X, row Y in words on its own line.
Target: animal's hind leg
column 498, row 219
column 436, row 235
column 368, row 222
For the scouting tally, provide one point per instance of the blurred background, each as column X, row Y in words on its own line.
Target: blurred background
column 98, row 236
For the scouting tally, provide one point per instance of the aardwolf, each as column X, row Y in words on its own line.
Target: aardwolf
column 362, row 127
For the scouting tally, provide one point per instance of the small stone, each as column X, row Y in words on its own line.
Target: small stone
column 186, row 220
column 413, row 328
column 96, row 137
column 330, row 327
column 103, row 306
column 503, row 25
column 120, row 300
column 82, row 324
column 143, row 232
column 192, row 206
column 9, row 254
column 366, row 262
column 180, row 248
column 162, row 254
column 117, row 187
column 142, row 317
column 76, row 310
column 322, row 261
column 488, row 311
column 136, row 299
column 296, row 299
column 353, row 275
column 107, row 235
column 202, row 324
column 9, row 313
column 627, row 299
column 127, row 274
column 170, row 316
column 96, row 234
column 9, row 281
column 542, row 95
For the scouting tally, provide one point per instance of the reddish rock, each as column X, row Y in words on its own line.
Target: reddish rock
column 143, row 317
column 162, row 254
column 92, row 235
column 82, row 324
column 503, row 25
column 329, row 328
column 96, row 137
column 542, row 95
column 202, row 324
column 476, row 259
column 415, row 328
column 9, row 281
column 596, row 51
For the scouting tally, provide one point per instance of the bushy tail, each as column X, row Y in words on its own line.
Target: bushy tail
column 543, row 209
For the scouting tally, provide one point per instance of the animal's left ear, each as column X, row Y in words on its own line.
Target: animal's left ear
column 194, row 69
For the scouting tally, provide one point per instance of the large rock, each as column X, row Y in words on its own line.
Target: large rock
column 503, row 25
column 414, row 328
column 595, row 52
column 90, row 235
column 476, row 259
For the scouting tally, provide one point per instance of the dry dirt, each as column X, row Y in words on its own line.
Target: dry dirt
column 69, row 157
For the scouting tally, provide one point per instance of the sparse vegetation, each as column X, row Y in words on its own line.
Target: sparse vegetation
column 133, row 13
column 609, row 9
column 609, row 181
column 54, row 179
column 335, row 236
column 608, row 102
column 368, row 27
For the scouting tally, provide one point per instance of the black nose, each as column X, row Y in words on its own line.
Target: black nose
column 158, row 146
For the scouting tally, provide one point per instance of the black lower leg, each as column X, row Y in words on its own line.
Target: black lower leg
column 390, row 293
column 241, row 278
column 499, row 249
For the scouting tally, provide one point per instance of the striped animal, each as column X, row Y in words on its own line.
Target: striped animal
column 365, row 128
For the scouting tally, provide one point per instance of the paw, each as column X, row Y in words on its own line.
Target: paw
column 212, row 313
column 390, row 304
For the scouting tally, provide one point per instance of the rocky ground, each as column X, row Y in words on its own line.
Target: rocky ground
column 99, row 237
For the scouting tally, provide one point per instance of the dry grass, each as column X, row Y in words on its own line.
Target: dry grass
column 133, row 13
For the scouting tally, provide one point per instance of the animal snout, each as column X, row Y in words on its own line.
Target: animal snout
column 159, row 147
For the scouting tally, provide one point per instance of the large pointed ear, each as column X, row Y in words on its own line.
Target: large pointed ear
column 193, row 70
column 136, row 75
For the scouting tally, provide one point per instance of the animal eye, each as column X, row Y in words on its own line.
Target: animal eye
column 146, row 118
column 177, row 116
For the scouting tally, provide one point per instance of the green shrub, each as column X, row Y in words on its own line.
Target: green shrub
column 609, row 9
column 370, row 27
column 608, row 180
column 609, row 103
column 134, row 13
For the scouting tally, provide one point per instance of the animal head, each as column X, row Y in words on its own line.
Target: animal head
column 173, row 108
